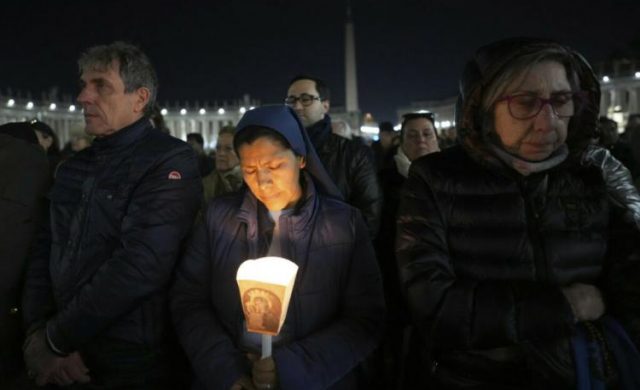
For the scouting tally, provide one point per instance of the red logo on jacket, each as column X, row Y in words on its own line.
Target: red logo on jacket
column 175, row 175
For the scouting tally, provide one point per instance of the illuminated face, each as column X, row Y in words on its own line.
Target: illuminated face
column 272, row 173
column 226, row 157
column 419, row 138
column 314, row 112
column 107, row 107
column 536, row 138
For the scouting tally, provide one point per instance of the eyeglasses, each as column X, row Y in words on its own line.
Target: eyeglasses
column 304, row 99
column 527, row 106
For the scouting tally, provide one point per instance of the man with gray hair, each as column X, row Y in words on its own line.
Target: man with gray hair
column 95, row 300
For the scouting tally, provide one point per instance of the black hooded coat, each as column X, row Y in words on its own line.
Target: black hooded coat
column 484, row 252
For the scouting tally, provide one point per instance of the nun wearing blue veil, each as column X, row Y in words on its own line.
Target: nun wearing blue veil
column 289, row 207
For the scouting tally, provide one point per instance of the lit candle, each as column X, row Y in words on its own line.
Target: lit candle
column 265, row 290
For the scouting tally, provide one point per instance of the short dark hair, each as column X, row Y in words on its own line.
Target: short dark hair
column 250, row 134
column 20, row 130
column 386, row 126
column 197, row 137
column 321, row 86
column 430, row 116
column 135, row 70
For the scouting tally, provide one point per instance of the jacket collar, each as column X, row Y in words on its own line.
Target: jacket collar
column 124, row 136
column 320, row 132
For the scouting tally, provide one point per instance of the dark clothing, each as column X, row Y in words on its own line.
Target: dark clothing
column 392, row 183
column 484, row 251
column 495, row 252
column 393, row 353
column 352, row 168
column 119, row 212
column 382, row 157
column 336, row 310
column 206, row 164
column 218, row 183
column 620, row 185
column 25, row 180
column 622, row 151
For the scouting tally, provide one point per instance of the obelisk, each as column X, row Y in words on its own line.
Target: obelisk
column 351, row 81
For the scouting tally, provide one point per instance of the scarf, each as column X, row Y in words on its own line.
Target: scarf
column 402, row 162
column 525, row 167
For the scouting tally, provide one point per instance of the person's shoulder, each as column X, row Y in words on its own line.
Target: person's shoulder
column 158, row 140
column 350, row 148
column 79, row 161
column 449, row 158
column 213, row 177
column 333, row 206
column 225, row 203
column 161, row 148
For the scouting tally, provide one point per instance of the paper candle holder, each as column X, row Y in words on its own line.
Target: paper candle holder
column 265, row 290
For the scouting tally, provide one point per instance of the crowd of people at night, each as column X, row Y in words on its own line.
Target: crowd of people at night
column 503, row 253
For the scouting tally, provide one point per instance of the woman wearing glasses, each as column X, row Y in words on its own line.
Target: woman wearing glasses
column 519, row 269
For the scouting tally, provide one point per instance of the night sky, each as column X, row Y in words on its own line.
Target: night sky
column 205, row 51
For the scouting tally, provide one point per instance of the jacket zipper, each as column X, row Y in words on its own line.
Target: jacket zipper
column 533, row 227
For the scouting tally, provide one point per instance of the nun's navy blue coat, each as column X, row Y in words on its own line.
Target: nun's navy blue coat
column 336, row 310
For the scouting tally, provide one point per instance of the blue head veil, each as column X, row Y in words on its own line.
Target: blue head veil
column 283, row 120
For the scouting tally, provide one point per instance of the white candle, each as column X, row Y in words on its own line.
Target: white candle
column 266, row 345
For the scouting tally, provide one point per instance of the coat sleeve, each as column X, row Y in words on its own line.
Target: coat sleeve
column 453, row 312
column 621, row 288
column 217, row 363
column 366, row 194
column 622, row 272
column 158, row 218
column 37, row 298
column 620, row 188
column 323, row 358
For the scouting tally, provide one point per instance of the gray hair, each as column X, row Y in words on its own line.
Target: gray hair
column 521, row 65
column 136, row 70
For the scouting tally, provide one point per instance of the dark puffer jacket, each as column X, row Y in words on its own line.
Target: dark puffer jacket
column 25, row 181
column 352, row 168
column 119, row 211
column 484, row 252
column 336, row 310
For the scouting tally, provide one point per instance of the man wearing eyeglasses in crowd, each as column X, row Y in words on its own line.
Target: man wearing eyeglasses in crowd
column 350, row 164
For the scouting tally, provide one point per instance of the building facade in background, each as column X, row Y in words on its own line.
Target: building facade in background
column 619, row 83
column 67, row 121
